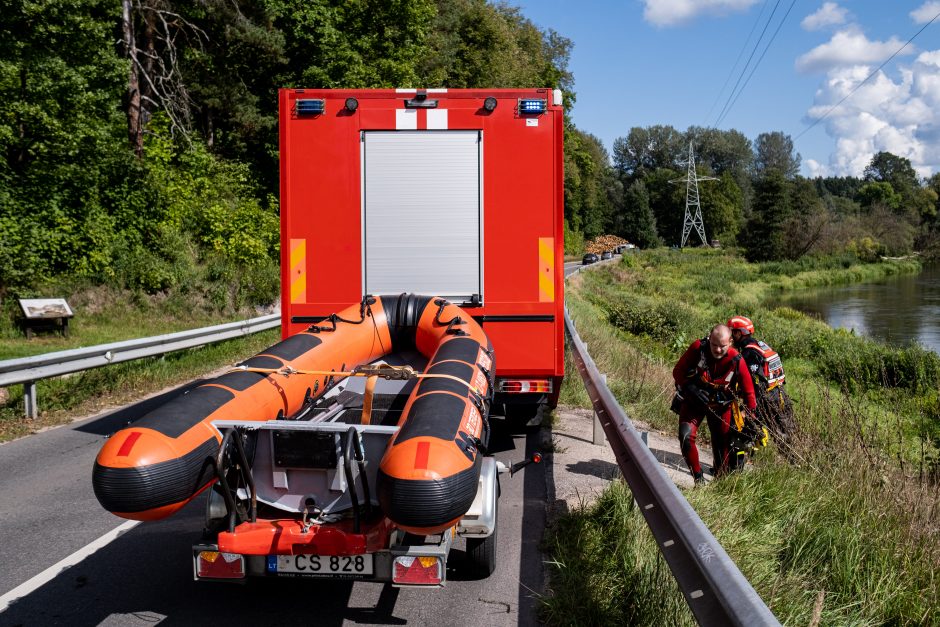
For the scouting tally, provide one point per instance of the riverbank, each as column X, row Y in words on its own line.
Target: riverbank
column 846, row 534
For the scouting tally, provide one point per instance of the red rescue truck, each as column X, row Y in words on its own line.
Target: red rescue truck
column 456, row 193
column 452, row 194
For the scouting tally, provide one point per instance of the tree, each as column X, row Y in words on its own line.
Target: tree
column 587, row 205
column 473, row 43
column 667, row 200
column 889, row 168
column 809, row 220
column 764, row 237
column 774, row 152
column 879, row 193
column 722, row 208
column 644, row 150
column 639, row 224
column 721, row 151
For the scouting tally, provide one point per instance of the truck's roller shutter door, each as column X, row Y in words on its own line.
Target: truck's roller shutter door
column 422, row 213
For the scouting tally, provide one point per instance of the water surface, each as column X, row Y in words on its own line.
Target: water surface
column 896, row 310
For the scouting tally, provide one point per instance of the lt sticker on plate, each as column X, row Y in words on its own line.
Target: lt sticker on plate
column 532, row 122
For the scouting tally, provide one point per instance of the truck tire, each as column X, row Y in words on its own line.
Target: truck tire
column 481, row 552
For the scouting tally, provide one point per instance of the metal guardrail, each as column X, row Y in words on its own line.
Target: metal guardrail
column 714, row 588
column 28, row 370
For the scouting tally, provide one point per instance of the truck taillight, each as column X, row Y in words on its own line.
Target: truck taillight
column 216, row 565
column 417, row 571
column 525, row 386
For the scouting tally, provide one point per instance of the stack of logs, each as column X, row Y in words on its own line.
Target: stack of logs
column 602, row 243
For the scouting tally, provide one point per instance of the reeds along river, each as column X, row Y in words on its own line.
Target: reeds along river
column 897, row 310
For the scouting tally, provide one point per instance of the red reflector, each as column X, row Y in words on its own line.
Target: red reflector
column 215, row 565
column 419, row 571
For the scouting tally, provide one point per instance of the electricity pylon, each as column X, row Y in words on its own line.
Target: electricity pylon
column 693, row 219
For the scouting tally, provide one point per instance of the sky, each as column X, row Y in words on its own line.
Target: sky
column 676, row 62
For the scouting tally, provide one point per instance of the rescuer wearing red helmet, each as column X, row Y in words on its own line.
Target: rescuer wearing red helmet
column 774, row 409
column 712, row 380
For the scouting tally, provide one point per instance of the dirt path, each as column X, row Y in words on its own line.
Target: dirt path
column 581, row 470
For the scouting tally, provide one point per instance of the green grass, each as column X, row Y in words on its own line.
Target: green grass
column 103, row 315
column 65, row 399
column 852, row 525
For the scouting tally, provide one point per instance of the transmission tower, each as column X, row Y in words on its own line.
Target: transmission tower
column 693, row 219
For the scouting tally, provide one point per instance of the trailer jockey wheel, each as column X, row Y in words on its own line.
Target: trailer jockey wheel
column 481, row 552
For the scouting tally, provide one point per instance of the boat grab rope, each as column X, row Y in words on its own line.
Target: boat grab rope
column 385, row 371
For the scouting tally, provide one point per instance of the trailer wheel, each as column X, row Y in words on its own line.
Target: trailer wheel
column 481, row 552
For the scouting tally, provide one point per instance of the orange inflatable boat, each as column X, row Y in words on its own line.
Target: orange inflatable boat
column 429, row 474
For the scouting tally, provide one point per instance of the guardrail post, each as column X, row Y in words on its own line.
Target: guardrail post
column 599, row 436
column 29, row 398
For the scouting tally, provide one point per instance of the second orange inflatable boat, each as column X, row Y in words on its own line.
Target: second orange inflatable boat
column 429, row 474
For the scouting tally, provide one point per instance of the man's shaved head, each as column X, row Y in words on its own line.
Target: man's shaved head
column 719, row 340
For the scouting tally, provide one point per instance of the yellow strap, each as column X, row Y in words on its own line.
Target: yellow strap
column 367, row 400
column 738, row 415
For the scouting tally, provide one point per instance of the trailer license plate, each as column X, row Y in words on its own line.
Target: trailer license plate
column 323, row 565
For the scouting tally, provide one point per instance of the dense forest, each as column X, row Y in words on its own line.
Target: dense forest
column 139, row 141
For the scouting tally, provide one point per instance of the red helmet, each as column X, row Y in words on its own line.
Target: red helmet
column 742, row 324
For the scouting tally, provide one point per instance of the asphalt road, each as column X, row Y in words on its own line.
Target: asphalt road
column 48, row 512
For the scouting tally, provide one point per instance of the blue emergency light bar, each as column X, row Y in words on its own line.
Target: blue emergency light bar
column 311, row 107
column 532, row 105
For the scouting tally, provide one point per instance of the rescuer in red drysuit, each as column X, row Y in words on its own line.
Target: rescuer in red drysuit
column 711, row 377
column 774, row 407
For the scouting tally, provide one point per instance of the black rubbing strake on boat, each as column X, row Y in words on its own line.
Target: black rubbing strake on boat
column 143, row 488
column 453, row 368
column 459, row 348
column 266, row 363
column 433, row 415
column 184, row 412
column 293, row 347
column 239, row 381
column 428, row 502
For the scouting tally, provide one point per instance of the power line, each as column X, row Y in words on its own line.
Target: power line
column 750, row 57
column 736, row 61
column 769, row 43
column 875, row 71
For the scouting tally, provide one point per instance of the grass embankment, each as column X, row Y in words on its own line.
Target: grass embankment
column 103, row 316
column 845, row 535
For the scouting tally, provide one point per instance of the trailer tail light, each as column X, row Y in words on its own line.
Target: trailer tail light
column 532, row 105
column 216, row 565
column 311, row 106
column 525, row 386
column 417, row 571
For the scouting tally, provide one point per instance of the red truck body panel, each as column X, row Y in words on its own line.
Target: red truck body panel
column 322, row 158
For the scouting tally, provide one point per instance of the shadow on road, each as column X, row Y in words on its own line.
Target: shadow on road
column 116, row 420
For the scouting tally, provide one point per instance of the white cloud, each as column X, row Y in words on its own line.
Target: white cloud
column 899, row 113
column 673, row 12
column 849, row 46
column 926, row 12
column 829, row 14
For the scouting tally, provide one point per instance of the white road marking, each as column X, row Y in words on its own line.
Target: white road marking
column 53, row 571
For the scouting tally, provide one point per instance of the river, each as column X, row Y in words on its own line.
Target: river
column 897, row 310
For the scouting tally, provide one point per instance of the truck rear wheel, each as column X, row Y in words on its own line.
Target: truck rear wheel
column 481, row 552
column 518, row 416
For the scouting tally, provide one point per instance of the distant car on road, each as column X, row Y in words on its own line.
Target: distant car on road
column 606, row 255
column 589, row 259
